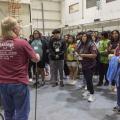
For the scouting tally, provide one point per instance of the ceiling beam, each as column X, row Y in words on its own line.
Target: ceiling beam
column 38, row 9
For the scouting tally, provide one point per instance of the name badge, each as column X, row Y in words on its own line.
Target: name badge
column 35, row 48
column 57, row 50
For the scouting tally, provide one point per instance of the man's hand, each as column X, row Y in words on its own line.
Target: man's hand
column 38, row 57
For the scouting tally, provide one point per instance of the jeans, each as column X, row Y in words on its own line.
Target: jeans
column 88, row 75
column 102, row 72
column 16, row 101
column 66, row 69
column 56, row 68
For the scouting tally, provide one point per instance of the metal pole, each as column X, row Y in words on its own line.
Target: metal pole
column 82, row 9
column 30, row 17
column 36, row 93
column 37, row 24
column 43, row 20
column 102, row 28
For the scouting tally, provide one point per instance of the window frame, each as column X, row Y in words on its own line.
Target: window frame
column 70, row 12
column 91, row 6
column 108, row 1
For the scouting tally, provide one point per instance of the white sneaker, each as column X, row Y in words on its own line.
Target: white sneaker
column 67, row 77
column 115, row 90
column 85, row 87
column 73, row 82
column 85, row 94
column 91, row 98
column 79, row 86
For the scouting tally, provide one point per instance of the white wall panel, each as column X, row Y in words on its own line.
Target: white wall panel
column 36, row 4
column 36, row 14
column 51, row 5
column 48, row 24
column 52, row 15
column 107, row 11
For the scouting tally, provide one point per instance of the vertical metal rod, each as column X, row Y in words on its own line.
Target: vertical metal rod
column 83, row 9
column 43, row 20
column 37, row 24
column 30, row 17
column 36, row 93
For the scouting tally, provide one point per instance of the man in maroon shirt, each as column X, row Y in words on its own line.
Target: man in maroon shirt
column 14, row 59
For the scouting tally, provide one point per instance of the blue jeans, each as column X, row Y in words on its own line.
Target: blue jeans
column 16, row 101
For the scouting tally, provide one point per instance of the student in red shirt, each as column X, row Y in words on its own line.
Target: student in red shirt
column 14, row 59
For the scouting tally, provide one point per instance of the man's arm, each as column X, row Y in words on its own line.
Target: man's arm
column 36, row 59
column 30, row 53
column 51, row 48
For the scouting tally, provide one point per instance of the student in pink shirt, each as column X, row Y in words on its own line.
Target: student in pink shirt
column 14, row 59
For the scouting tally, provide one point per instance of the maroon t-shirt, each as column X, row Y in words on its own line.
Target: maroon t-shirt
column 14, row 60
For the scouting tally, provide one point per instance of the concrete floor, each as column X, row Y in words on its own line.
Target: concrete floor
column 67, row 104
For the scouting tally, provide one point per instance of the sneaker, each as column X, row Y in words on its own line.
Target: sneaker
column 106, row 83
column 72, row 82
column 85, row 94
column 91, row 98
column 67, row 77
column 116, row 109
column 95, row 77
column 37, row 85
column 80, row 86
column 100, row 84
column 61, row 84
column 43, row 83
column 112, row 89
column 85, row 87
column 55, row 84
column 115, row 90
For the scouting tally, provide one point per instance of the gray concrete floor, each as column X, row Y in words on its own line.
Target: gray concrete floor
column 67, row 104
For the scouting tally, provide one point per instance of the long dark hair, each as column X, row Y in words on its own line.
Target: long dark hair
column 112, row 39
column 105, row 34
column 89, row 36
column 73, row 37
column 40, row 34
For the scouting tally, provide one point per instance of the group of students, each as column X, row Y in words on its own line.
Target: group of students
column 98, row 53
column 92, row 50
